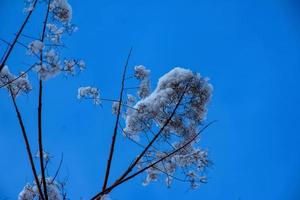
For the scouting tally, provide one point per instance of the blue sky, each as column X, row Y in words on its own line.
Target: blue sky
column 250, row 50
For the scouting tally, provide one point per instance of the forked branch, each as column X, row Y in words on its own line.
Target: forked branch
column 119, row 182
column 136, row 161
column 112, row 146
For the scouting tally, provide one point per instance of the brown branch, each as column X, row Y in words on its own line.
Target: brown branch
column 117, row 183
column 112, row 146
column 40, row 140
column 40, row 134
column 17, row 36
column 58, row 169
column 28, row 149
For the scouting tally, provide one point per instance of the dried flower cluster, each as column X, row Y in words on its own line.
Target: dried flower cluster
column 14, row 84
column 142, row 74
column 61, row 9
column 89, row 92
column 51, row 64
column 192, row 93
column 157, row 107
column 58, row 25
column 30, row 191
column 35, row 47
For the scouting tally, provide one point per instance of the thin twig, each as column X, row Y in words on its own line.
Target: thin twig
column 28, row 36
column 6, row 42
column 131, row 88
column 58, row 169
column 17, row 36
column 116, row 125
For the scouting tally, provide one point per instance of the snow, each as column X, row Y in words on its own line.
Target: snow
column 115, row 107
column 35, row 47
column 16, row 84
column 81, row 65
column 165, row 96
column 154, row 109
column 142, row 74
column 30, row 191
column 62, row 10
column 48, row 71
column 54, row 33
column 89, row 92
column 71, row 65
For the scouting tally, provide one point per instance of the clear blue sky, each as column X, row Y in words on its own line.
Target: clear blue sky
column 250, row 49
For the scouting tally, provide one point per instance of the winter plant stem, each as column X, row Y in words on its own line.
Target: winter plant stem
column 40, row 139
column 117, row 183
column 129, row 169
column 40, row 133
column 28, row 149
column 112, row 146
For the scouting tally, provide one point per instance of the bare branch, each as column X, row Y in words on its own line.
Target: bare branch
column 28, row 36
column 17, row 36
column 58, row 169
column 135, row 162
column 28, row 149
column 117, row 183
column 6, row 42
column 116, row 125
column 40, row 135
